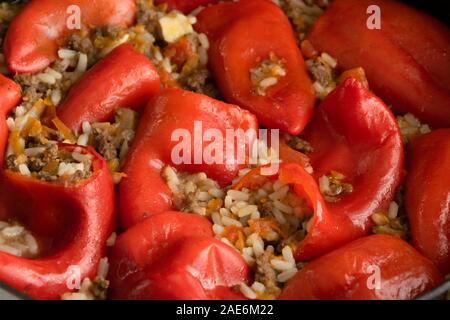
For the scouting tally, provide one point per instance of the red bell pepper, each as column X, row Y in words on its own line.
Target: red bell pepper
column 374, row 267
column 185, row 6
column 76, row 220
column 143, row 191
column 124, row 78
column 325, row 231
column 173, row 255
column 35, row 34
column 353, row 132
column 9, row 97
column 427, row 196
column 406, row 61
column 241, row 35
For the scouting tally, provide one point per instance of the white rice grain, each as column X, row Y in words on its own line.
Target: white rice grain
column 286, row 275
column 281, row 265
column 237, row 195
column 56, row 97
column 288, row 255
column 227, row 221
column 12, row 232
column 258, row 287
column 218, row 229
column 82, row 63
column 393, row 210
column 329, row 60
column 247, row 291
column 66, row 53
column 267, row 82
column 283, row 207
column 46, row 78
column 11, row 250
column 55, row 74
column 23, row 169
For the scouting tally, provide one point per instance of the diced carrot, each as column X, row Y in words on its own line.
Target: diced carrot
column 244, row 182
column 231, row 233
column 167, row 81
column 179, row 52
column 214, row 205
column 14, row 142
column 65, row 131
column 264, row 225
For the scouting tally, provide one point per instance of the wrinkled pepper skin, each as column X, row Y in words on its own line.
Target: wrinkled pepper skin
column 9, row 98
column 32, row 49
column 76, row 220
column 124, row 78
column 351, row 273
column 173, row 255
column 353, row 132
column 185, row 6
column 427, row 196
column 143, row 191
column 406, row 61
column 241, row 35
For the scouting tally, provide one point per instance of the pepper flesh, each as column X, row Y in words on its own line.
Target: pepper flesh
column 32, row 49
column 353, row 132
column 427, row 196
column 241, row 35
column 124, row 78
column 9, row 97
column 375, row 267
column 143, row 191
column 76, row 219
column 185, row 6
column 173, row 255
column 406, row 65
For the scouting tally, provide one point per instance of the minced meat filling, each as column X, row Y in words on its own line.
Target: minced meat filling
column 266, row 74
column 51, row 163
column 264, row 223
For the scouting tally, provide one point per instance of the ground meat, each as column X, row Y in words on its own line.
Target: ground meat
column 148, row 15
column 105, row 145
column 321, row 72
column 48, row 165
column 265, row 273
column 298, row 144
column 82, row 43
column 199, row 81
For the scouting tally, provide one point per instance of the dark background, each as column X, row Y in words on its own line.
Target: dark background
column 438, row 8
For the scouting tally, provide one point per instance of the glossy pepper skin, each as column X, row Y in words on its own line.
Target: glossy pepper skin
column 185, row 6
column 353, row 132
column 173, row 255
column 75, row 219
column 143, row 191
column 352, row 272
column 32, row 49
column 406, row 61
column 427, row 196
column 241, row 36
column 124, row 78
column 9, row 98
